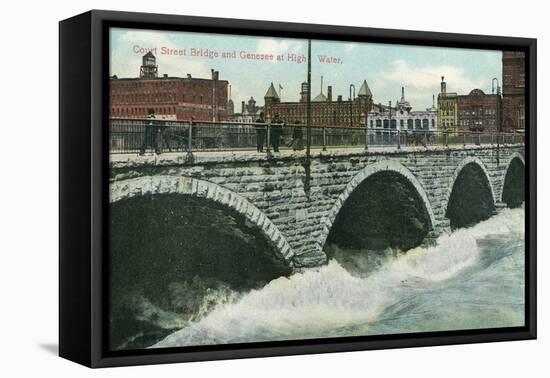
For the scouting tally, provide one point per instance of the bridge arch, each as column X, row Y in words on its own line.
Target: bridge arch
column 458, row 170
column 150, row 185
column 515, row 155
column 471, row 196
column 511, row 158
column 509, row 176
column 364, row 174
column 178, row 245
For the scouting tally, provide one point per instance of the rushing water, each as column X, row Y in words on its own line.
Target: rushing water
column 472, row 278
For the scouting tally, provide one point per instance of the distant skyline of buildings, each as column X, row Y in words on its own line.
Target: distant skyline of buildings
column 183, row 98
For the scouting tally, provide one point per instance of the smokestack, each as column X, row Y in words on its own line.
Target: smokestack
column 443, row 86
column 304, row 92
column 215, row 74
column 339, row 98
column 329, row 92
column 242, row 107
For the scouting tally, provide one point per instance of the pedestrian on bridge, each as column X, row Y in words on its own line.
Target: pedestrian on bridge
column 276, row 132
column 260, row 133
column 297, row 137
column 151, row 138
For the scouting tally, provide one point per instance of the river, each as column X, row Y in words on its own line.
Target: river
column 471, row 278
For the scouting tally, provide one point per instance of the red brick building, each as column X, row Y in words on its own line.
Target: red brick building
column 478, row 111
column 171, row 98
column 325, row 111
column 513, row 90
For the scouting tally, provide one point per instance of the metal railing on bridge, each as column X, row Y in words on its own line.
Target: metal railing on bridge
column 152, row 135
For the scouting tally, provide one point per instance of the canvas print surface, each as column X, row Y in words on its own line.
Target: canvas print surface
column 271, row 189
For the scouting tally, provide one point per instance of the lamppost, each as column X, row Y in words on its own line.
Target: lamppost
column 351, row 86
column 365, row 116
column 398, row 136
column 213, row 93
column 308, row 115
column 398, row 141
column 366, row 126
column 498, row 116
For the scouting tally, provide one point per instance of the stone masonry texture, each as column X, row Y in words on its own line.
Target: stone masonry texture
column 270, row 192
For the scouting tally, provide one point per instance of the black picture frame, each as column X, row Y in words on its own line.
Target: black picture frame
column 83, row 196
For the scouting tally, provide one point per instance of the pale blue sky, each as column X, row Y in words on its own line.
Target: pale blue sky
column 386, row 67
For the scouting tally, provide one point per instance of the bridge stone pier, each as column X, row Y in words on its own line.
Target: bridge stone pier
column 272, row 195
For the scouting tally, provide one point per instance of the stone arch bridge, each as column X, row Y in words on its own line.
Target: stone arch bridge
column 271, row 194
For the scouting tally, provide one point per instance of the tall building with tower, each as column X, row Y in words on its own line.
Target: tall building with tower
column 167, row 97
column 513, row 91
column 325, row 110
column 447, row 108
column 272, row 102
column 249, row 113
column 230, row 105
column 149, row 68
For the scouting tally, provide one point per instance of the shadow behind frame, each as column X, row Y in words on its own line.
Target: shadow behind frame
column 84, row 188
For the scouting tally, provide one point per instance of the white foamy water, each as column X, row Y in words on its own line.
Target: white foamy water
column 448, row 286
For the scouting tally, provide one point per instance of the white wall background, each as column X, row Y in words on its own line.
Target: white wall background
column 29, row 188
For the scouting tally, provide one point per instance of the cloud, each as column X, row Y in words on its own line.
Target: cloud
column 425, row 77
column 277, row 46
column 348, row 47
column 422, row 82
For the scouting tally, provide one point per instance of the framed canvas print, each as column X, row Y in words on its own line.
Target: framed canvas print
column 235, row 188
